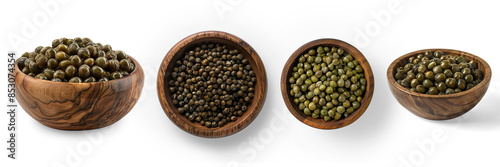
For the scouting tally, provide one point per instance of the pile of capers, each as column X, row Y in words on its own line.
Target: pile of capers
column 212, row 84
column 76, row 60
column 436, row 73
column 327, row 83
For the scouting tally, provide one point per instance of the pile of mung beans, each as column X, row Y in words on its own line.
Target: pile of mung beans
column 327, row 83
column 212, row 84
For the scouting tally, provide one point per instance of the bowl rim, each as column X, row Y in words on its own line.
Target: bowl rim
column 136, row 64
column 188, row 126
column 318, row 122
column 393, row 83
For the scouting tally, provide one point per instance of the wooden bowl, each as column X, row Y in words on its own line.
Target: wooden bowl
column 232, row 42
column 439, row 107
column 78, row 106
column 321, row 123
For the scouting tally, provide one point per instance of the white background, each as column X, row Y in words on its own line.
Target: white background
column 386, row 135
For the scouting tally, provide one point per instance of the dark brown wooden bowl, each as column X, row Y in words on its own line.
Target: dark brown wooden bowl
column 78, row 106
column 232, row 42
column 439, row 107
column 321, row 123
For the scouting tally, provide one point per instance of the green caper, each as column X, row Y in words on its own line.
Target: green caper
column 421, row 68
column 431, row 65
column 101, row 62
column 41, row 76
column 70, row 71
column 438, row 53
column 433, row 91
column 427, row 83
column 63, row 64
column 75, row 60
column 461, row 84
column 125, row 65
column 118, row 75
column 55, row 43
column 60, row 56
column 437, row 69
column 73, row 48
column 469, row 78
column 455, row 68
column 458, row 75
column 466, row 71
column 49, row 73
column 34, row 68
column 101, row 53
column 420, row 77
column 440, row 77
column 42, row 61
column 50, row 53
column 75, row 80
column 97, row 71
column 451, row 82
column 63, row 48
column 84, row 71
column 59, row 74
column 52, row 63
column 21, row 62
column 449, row 91
column 26, row 70
column 89, row 61
column 429, row 75
column 448, row 73
column 414, row 83
column 106, row 48
column 111, row 55
column 445, row 64
column 114, row 65
column 89, row 79
column 420, row 89
column 92, row 51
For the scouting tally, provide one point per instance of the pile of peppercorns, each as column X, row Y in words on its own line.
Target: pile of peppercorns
column 212, row 85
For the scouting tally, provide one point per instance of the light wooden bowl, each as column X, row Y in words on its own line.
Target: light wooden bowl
column 232, row 42
column 321, row 123
column 439, row 107
column 78, row 106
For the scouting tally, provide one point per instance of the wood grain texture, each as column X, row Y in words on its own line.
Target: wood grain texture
column 232, row 42
column 439, row 107
column 321, row 123
column 79, row 106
